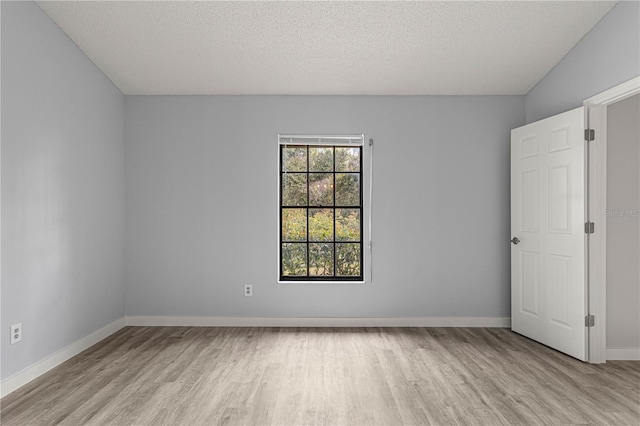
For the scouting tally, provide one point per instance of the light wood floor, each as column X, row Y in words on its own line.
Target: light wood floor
column 327, row 376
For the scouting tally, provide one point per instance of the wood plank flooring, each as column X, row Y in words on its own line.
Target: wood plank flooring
column 325, row 376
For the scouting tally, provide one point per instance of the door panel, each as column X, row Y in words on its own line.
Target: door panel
column 529, row 212
column 530, row 283
column 548, row 285
column 559, row 197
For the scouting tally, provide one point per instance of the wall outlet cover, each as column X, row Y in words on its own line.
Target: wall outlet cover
column 16, row 333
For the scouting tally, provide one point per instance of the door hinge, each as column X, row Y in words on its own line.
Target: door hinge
column 589, row 135
column 589, row 321
column 589, row 227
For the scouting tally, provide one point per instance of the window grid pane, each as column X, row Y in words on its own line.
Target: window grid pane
column 321, row 213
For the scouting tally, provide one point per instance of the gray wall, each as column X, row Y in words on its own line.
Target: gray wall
column 201, row 176
column 608, row 55
column 62, row 190
column 623, row 224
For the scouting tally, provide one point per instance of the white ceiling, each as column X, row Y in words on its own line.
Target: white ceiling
column 291, row 47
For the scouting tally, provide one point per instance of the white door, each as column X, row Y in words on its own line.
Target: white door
column 548, row 280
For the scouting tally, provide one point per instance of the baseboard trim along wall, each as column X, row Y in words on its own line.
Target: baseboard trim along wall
column 623, row 354
column 317, row 322
column 36, row 370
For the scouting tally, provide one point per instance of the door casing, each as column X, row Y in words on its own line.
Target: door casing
column 596, row 119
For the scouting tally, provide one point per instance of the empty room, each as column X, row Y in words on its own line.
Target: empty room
column 320, row 212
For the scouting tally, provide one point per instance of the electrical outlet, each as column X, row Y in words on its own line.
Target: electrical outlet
column 16, row 333
column 248, row 290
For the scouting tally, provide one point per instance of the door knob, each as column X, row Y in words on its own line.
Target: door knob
column 515, row 240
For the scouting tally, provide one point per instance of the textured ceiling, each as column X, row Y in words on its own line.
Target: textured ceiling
column 290, row 47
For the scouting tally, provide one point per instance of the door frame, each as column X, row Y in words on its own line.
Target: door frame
column 596, row 119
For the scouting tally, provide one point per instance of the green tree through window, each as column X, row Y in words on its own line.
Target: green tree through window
column 320, row 212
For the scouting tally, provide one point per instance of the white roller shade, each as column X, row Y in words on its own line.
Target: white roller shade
column 344, row 140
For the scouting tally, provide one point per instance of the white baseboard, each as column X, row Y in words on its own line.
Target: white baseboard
column 317, row 322
column 36, row 370
column 623, row 354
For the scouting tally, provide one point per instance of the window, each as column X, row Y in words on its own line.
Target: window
column 321, row 230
